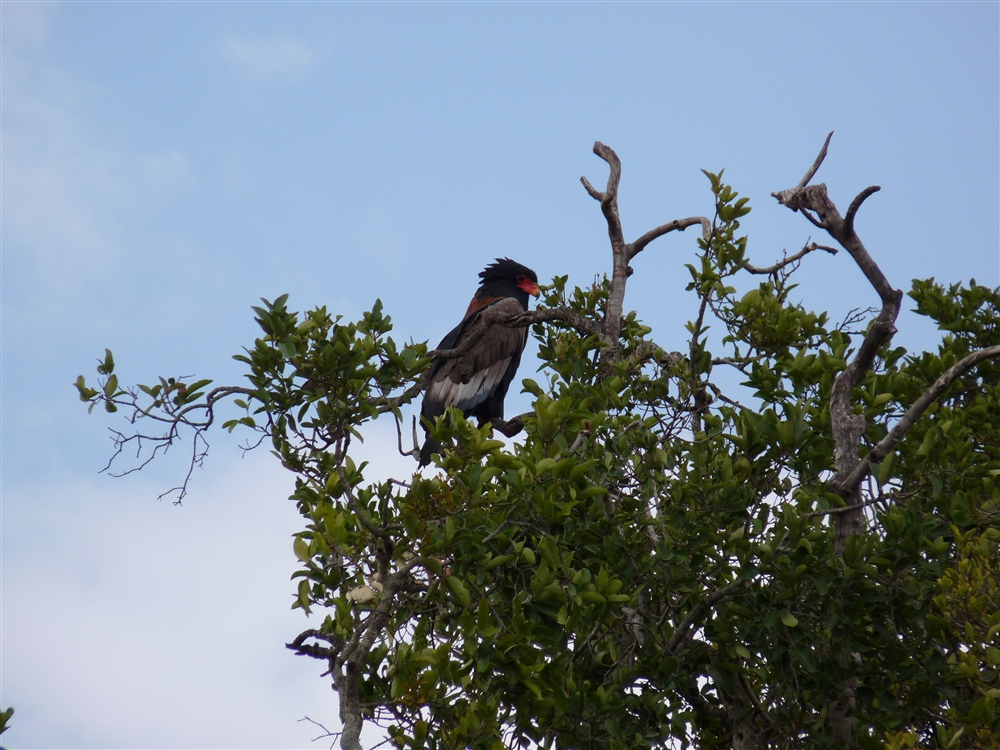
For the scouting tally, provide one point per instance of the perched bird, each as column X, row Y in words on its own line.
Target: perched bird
column 477, row 382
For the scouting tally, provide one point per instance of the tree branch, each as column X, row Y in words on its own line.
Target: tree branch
column 816, row 164
column 562, row 314
column 619, row 254
column 163, row 408
column 713, row 597
column 350, row 661
column 622, row 252
column 768, row 270
column 909, row 419
column 847, row 427
column 637, row 246
column 512, row 426
column 852, row 210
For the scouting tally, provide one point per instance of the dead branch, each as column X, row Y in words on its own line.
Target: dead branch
column 816, row 164
column 637, row 246
column 621, row 251
column 847, row 427
column 619, row 254
column 326, row 732
column 769, row 270
column 199, row 416
column 916, row 410
column 852, row 210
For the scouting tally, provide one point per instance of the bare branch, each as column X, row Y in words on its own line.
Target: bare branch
column 816, row 199
column 326, row 732
column 909, row 419
column 854, row 316
column 768, row 270
column 847, row 426
column 636, row 247
column 856, row 204
column 595, row 194
column 619, row 253
column 816, row 164
column 609, row 198
column 562, row 314
column 198, row 415
column 812, row 219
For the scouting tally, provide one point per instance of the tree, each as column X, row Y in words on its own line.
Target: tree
column 784, row 536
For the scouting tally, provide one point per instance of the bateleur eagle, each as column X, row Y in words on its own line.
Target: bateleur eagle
column 477, row 382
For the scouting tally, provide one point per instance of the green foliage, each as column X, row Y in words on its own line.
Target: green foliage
column 654, row 562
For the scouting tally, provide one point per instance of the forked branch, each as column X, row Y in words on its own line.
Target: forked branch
column 622, row 252
column 847, row 426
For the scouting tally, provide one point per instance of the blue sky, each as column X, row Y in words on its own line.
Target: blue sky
column 165, row 165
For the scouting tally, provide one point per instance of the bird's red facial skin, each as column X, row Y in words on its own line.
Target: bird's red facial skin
column 527, row 285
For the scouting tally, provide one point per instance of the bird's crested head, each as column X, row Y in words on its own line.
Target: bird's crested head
column 506, row 278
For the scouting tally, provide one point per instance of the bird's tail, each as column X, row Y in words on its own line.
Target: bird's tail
column 430, row 447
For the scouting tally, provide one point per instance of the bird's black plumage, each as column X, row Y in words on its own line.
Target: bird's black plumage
column 477, row 382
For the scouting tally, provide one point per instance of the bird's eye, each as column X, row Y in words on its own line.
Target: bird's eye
column 520, row 278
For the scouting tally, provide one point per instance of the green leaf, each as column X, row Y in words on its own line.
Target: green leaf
column 459, row 590
column 789, row 619
column 301, row 548
column 107, row 366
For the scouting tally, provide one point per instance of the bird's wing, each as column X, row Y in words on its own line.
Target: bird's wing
column 467, row 381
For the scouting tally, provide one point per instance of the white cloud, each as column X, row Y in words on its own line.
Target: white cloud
column 132, row 623
column 128, row 622
column 267, row 59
